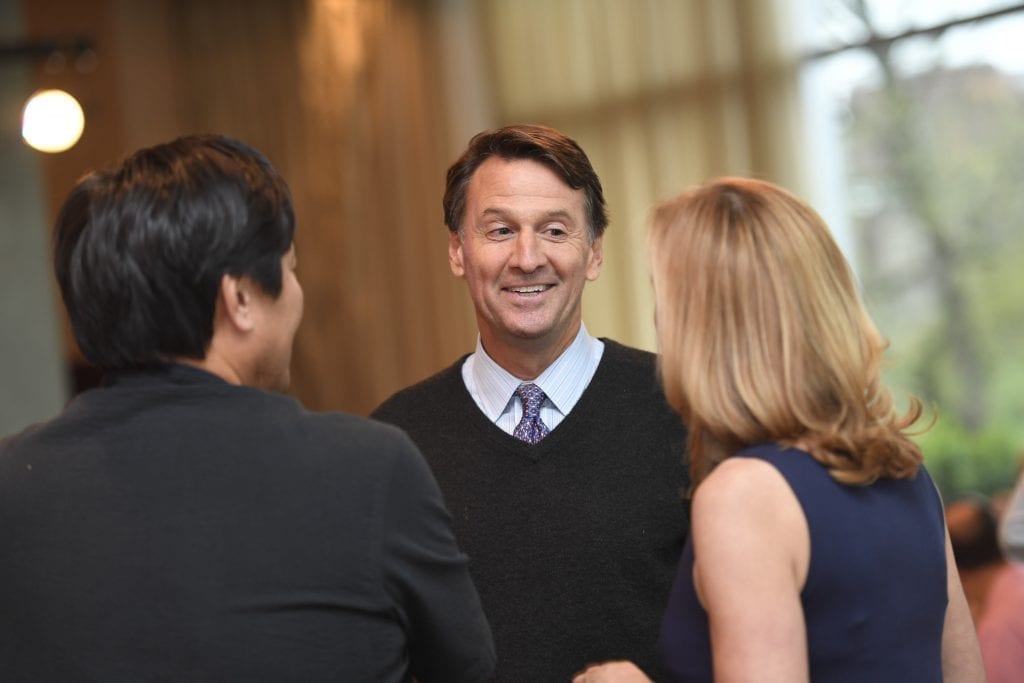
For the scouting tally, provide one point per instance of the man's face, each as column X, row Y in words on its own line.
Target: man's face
column 280, row 320
column 525, row 253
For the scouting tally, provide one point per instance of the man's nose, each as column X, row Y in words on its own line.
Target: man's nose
column 528, row 254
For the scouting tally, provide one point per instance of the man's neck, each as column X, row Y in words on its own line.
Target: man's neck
column 215, row 364
column 526, row 359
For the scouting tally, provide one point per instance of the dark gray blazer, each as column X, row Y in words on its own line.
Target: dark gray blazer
column 169, row 526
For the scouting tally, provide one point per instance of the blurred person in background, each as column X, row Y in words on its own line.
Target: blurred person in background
column 1001, row 626
column 973, row 531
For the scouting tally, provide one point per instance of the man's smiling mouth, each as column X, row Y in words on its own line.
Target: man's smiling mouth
column 531, row 289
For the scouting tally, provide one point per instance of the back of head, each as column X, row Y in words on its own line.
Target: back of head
column 973, row 532
column 140, row 249
column 763, row 334
column 547, row 146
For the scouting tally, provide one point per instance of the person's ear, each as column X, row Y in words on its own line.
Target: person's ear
column 237, row 302
column 455, row 253
column 595, row 259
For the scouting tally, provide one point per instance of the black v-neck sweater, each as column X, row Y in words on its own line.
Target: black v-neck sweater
column 574, row 541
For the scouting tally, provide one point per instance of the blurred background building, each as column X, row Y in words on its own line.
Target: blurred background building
column 902, row 120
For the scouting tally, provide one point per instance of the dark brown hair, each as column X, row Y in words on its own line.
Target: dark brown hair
column 547, row 146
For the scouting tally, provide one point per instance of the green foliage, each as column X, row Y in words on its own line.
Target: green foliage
column 940, row 253
column 964, row 462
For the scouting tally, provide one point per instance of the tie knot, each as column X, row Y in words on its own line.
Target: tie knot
column 532, row 396
column 531, row 428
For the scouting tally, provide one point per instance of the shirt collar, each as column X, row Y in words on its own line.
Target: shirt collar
column 495, row 386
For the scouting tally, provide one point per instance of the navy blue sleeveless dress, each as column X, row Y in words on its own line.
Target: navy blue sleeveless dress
column 875, row 597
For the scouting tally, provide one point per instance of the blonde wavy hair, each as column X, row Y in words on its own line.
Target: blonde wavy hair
column 763, row 336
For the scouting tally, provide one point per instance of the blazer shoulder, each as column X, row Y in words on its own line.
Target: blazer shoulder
column 357, row 430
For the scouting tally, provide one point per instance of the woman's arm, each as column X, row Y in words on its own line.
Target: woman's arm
column 752, row 550
column 961, row 655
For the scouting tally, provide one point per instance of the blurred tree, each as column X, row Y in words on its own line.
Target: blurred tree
column 935, row 167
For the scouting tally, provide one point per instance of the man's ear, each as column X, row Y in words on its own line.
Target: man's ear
column 455, row 253
column 237, row 303
column 595, row 259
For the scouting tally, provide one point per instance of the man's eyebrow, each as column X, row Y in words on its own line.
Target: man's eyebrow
column 556, row 214
column 496, row 212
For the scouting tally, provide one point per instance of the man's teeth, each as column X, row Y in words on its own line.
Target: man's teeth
column 529, row 290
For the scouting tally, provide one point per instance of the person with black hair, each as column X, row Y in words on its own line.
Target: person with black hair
column 185, row 521
column 993, row 584
column 974, row 535
column 561, row 461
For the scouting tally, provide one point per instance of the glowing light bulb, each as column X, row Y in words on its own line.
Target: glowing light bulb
column 52, row 121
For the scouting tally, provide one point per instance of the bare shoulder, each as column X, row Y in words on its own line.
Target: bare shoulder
column 737, row 485
column 745, row 515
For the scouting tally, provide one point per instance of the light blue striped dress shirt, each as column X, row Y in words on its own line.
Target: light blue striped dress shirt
column 563, row 382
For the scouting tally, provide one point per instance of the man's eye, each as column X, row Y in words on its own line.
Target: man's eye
column 501, row 231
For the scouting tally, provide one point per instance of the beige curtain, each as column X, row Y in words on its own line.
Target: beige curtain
column 344, row 98
column 661, row 94
column 363, row 103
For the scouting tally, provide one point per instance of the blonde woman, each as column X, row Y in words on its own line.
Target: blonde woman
column 819, row 549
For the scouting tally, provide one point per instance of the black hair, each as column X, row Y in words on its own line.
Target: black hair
column 547, row 146
column 975, row 542
column 140, row 249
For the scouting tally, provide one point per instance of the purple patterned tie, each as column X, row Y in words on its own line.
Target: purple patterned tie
column 530, row 429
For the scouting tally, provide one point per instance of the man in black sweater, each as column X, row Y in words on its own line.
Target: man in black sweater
column 556, row 452
column 186, row 521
